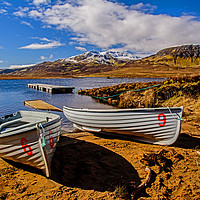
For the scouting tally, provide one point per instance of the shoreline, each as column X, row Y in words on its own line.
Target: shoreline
column 163, row 76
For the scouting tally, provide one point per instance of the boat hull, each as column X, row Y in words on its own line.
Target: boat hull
column 153, row 125
column 34, row 143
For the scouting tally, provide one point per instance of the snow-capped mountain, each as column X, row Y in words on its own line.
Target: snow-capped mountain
column 122, row 55
column 106, row 57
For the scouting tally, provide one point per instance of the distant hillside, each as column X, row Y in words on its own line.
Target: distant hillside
column 183, row 51
column 85, row 64
column 168, row 62
column 58, row 68
column 186, row 55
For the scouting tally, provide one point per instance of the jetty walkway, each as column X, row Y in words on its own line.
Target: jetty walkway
column 53, row 89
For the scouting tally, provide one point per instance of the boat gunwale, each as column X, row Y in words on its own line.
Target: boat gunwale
column 29, row 126
column 121, row 109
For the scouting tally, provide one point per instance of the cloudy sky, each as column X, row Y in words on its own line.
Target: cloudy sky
column 33, row 31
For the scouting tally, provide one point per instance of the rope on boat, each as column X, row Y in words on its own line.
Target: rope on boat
column 179, row 118
column 75, row 90
column 42, row 134
column 103, row 98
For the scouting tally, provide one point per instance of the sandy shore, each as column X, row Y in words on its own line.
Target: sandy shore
column 87, row 166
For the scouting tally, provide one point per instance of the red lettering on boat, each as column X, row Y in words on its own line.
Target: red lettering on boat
column 51, row 141
column 25, row 146
column 162, row 118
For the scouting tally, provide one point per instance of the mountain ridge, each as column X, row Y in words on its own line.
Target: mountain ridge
column 181, row 51
column 184, row 59
column 106, row 57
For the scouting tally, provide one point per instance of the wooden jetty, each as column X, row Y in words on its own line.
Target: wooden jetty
column 38, row 104
column 53, row 89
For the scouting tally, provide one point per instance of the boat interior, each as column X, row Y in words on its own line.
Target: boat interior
column 22, row 119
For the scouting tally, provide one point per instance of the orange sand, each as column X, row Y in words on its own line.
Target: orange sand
column 86, row 166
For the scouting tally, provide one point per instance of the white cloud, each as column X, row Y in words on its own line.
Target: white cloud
column 22, row 12
column 45, row 58
column 81, row 48
column 49, row 45
column 38, row 2
column 148, row 8
column 27, row 23
column 106, row 24
column 1, row 61
column 20, row 66
column 35, row 14
column 6, row 3
column 3, row 11
column 51, row 56
column 42, row 39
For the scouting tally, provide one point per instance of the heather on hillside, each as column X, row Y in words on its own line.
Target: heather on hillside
column 151, row 94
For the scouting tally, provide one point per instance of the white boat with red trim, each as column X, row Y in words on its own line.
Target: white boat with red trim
column 153, row 125
column 30, row 138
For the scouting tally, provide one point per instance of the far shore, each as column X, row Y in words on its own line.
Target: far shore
column 5, row 77
column 103, row 74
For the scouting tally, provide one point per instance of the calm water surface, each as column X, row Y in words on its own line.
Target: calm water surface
column 14, row 92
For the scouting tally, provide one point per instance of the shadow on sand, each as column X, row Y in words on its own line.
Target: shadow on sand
column 187, row 142
column 85, row 165
column 184, row 141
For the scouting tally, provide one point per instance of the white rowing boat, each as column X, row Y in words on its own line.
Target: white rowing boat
column 153, row 125
column 30, row 138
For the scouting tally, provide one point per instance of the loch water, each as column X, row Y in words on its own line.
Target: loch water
column 14, row 92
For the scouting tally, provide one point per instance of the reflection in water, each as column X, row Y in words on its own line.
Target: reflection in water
column 14, row 92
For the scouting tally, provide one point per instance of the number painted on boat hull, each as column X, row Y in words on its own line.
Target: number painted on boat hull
column 162, row 118
column 51, row 141
column 24, row 144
